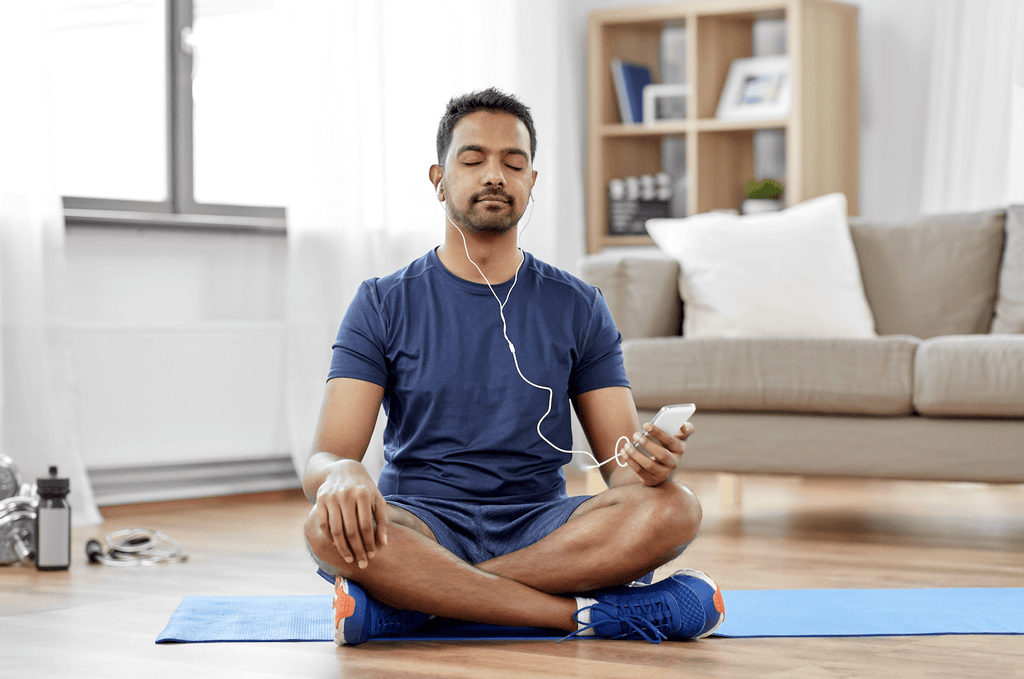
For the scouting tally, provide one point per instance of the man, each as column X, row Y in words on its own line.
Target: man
column 466, row 347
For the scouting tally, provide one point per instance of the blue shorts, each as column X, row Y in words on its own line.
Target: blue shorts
column 476, row 532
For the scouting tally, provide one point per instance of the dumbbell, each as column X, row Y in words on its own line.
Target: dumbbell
column 17, row 515
column 10, row 479
column 17, row 529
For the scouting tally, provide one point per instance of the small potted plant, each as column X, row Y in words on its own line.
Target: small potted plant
column 762, row 196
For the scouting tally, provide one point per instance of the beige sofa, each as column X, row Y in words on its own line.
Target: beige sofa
column 938, row 395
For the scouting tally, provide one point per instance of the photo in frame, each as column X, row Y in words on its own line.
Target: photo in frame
column 757, row 88
column 664, row 102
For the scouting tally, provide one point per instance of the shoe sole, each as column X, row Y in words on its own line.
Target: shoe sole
column 343, row 606
column 717, row 604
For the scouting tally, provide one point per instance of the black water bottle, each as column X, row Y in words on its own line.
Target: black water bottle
column 53, row 524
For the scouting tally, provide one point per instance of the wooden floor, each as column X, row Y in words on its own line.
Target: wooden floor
column 97, row 621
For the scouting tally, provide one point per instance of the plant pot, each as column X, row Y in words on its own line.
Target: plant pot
column 753, row 206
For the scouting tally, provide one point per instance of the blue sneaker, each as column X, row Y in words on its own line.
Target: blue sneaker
column 358, row 617
column 708, row 596
column 685, row 605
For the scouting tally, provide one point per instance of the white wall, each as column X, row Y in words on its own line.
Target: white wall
column 895, row 63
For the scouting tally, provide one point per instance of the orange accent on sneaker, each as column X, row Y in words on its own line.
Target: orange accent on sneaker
column 343, row 604
column 719, row 602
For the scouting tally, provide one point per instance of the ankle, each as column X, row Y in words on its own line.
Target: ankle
column 582, row 617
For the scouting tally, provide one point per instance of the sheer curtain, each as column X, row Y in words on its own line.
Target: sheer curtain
column 1016, row 196
column 37, row 405
column 371, row 80
column 974, row 139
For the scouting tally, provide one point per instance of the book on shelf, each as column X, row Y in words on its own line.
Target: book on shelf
column 672, row 52
column 630, row 80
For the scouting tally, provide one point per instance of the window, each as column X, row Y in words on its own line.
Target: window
column 168, row 111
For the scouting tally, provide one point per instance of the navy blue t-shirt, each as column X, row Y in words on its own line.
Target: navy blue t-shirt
column 461, row 422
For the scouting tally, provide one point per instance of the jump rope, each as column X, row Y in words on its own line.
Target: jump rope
column 619, row 451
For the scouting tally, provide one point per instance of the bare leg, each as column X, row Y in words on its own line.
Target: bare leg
column 611, row 539
column 413, row 572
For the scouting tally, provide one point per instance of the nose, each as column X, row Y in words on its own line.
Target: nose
column 493, row 175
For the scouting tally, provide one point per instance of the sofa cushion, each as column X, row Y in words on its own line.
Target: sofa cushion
column 932, row 276
column 788, row 273
column 1010, row 305
column 641, row 291
column 807, row 375
column 967, row 376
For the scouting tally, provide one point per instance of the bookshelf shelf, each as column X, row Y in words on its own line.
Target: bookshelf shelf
column 655, row 130
column 715, row 125
column 820, row 132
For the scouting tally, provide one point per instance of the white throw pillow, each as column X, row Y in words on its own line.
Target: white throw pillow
column 788, row 273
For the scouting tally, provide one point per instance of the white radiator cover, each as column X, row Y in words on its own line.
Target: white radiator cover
column 166, row 408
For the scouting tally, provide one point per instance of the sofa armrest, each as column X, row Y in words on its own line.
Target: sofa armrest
column 642, row 291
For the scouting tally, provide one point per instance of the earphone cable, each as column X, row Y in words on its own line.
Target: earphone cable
column 515, row 359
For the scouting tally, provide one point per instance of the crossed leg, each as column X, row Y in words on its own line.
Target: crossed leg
column 610, row 539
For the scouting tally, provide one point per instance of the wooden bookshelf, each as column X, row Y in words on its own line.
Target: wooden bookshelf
column 821, row 130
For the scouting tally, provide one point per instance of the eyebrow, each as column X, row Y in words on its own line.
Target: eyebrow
column 511, row 150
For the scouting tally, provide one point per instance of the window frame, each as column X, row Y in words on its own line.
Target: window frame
column 180, row 210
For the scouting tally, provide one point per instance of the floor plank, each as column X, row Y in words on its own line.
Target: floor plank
column 98, row 621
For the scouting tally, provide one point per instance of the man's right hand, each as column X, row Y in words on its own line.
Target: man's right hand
column 352, row 511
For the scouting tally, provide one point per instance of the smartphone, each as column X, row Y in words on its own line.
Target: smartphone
column 671, row 418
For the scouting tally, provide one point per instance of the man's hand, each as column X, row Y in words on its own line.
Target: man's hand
column 352, row 511
column 664, row 450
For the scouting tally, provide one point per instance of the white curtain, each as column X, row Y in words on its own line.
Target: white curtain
column 1016, row 180
column 973, row 138
column 371, row 81
column 37, row 404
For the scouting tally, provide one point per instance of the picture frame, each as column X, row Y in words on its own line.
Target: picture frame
column 664, row 102
column 757, row 88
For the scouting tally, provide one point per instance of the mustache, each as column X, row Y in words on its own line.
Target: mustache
column 493, row 193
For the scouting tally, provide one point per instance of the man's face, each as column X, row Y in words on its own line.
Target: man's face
column 488, row 173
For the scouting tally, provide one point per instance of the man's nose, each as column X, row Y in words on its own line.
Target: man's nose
column 494, row 176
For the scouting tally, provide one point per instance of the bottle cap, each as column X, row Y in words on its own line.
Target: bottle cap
column 53, row 487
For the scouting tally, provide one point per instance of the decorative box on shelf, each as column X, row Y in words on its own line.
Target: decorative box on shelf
column 627, row 217
column 632, row 201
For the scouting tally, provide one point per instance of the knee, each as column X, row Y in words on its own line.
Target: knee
column 320, row 546
column 312, row 532
column 678, row 513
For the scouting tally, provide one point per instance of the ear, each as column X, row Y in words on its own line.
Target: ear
column 436, row 175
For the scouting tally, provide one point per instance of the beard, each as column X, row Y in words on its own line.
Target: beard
column 486, row 217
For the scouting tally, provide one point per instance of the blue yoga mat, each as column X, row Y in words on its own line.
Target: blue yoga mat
column 872, row 612
column 207, row 619
column 749, row 613
column 250, row 618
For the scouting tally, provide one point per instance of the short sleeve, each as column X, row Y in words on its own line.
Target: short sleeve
column 600, row 361
column 360, row 349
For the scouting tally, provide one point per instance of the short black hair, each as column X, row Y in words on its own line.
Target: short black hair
column 491, row 99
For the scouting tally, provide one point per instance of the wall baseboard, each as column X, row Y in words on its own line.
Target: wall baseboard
column 155, row 483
